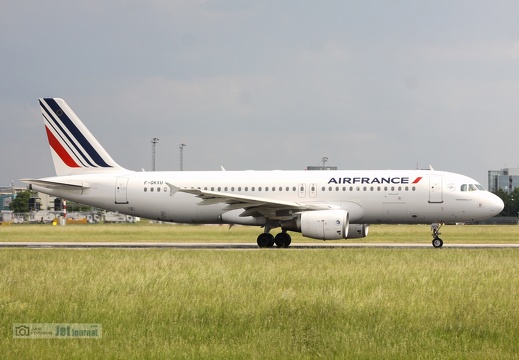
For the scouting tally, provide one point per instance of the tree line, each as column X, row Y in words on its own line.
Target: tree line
column 21, row 202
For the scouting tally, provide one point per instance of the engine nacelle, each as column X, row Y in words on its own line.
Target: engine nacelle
column 325, row 224
column 357, row 231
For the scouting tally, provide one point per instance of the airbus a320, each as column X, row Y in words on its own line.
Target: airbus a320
column 325, row 205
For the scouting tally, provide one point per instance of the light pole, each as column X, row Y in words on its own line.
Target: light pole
column 154, row 142
column 181, row 147
column 325, row 159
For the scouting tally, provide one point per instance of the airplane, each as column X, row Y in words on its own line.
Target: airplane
column 319, row 204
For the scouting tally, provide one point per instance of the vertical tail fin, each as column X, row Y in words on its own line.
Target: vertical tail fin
column 74, row 149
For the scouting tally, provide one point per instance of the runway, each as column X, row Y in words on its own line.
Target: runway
column 243, row 246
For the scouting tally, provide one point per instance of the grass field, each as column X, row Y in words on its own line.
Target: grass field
column 262, row 304
column 152, row 232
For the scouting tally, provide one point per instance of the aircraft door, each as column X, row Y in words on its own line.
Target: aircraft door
column 435, row 189
column 121, row 190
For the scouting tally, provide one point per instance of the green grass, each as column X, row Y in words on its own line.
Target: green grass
column 263, row 304
column 187, row 233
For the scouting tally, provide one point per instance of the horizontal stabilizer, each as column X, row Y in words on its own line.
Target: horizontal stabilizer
column 68, row 185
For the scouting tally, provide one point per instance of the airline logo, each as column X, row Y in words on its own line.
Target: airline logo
column 67, row 140
column 374, row 180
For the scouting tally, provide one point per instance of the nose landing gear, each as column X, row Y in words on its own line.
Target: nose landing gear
column 435, row 231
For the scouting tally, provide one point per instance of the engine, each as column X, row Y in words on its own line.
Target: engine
column 357, row 231
column 326, row 225
column 321, row 224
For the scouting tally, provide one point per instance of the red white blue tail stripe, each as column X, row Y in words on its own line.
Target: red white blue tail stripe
column 72, row 143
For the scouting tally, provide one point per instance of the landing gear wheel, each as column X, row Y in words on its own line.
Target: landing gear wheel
column 435, row 230
column 283, row 240
column 265, row 240
column 437, row 243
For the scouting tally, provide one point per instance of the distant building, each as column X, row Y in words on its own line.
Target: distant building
column 7, row 195
column 320, row 167
column 505, row 179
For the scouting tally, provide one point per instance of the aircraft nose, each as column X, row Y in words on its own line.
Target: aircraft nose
column 496, row 204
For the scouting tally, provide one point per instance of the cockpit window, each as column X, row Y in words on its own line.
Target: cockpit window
column 472, row 187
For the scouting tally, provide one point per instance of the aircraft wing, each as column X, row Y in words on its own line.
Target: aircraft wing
column 68, row 185
column 252, row 205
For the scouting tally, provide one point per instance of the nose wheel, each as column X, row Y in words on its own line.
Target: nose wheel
column 437, row 243
column 435, row 231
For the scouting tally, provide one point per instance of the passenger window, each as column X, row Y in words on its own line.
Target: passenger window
column 145, row 189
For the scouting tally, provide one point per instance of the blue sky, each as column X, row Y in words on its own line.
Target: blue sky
column 266, row 85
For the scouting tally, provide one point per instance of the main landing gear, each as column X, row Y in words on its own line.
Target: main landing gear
column 435, row 230
column 268, row 240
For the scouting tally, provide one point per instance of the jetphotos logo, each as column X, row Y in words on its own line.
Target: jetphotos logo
column 375, row 180
column 62, row 331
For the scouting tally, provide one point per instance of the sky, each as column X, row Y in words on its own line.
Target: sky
column 266, row 85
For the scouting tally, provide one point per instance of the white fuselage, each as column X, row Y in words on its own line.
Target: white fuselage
column 326, row 205
column 369, row 196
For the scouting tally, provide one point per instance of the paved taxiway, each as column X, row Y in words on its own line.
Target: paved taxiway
column 162, row 245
